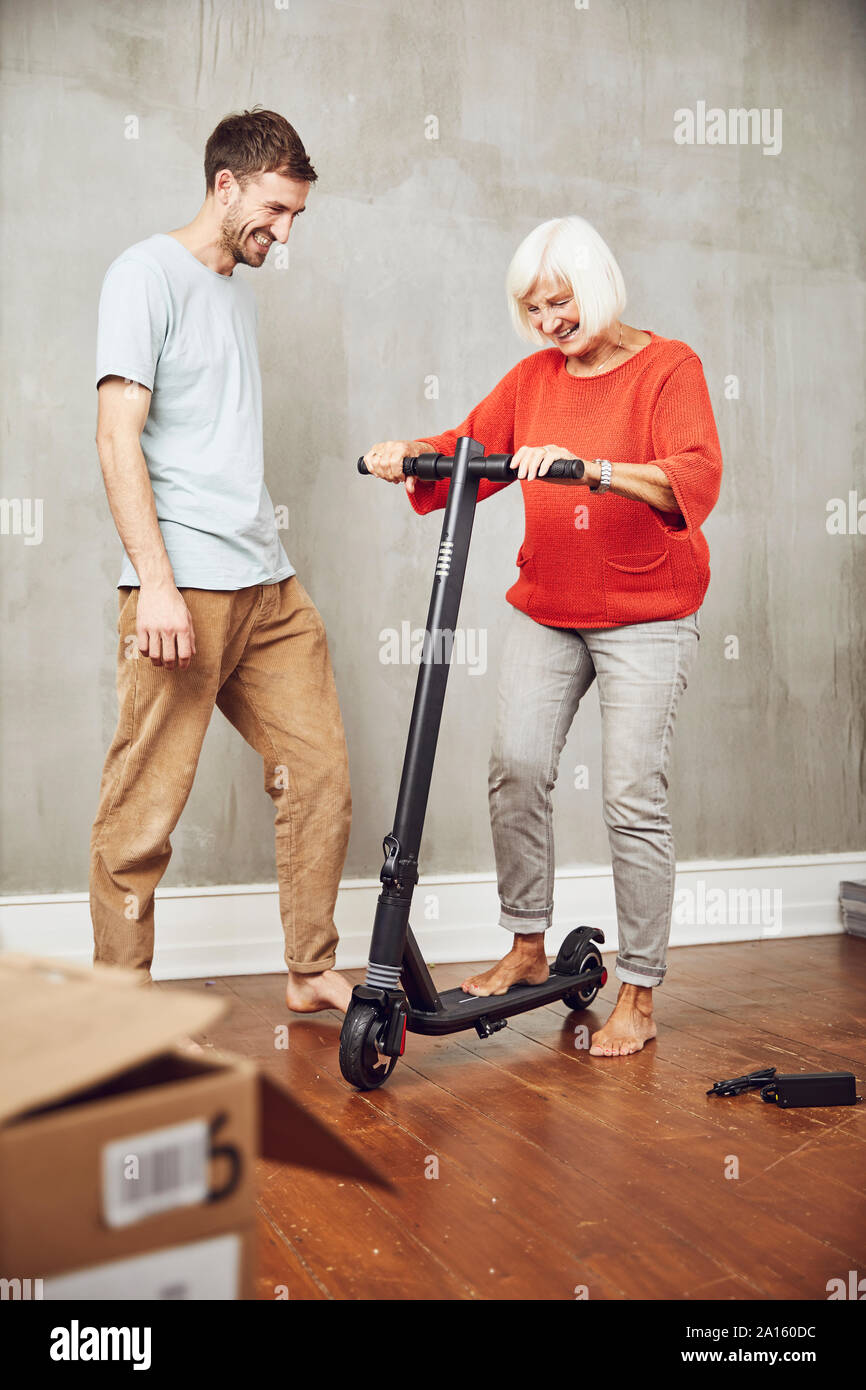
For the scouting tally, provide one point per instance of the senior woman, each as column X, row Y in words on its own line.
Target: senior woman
column 613, row 571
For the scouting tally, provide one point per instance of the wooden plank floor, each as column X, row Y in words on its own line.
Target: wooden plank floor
column 557, row 1170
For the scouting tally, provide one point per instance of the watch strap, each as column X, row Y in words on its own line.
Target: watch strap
column 604, row 481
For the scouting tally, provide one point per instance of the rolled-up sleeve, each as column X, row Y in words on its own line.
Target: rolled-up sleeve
column 491, row 422
column 686, row 448
column 132, row 323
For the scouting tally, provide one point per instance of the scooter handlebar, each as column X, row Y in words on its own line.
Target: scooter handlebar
column 495, row 467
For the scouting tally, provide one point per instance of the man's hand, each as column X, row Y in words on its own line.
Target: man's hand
column 164, row 626
column 532, row 463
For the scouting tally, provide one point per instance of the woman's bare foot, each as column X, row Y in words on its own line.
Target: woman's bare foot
column 629, row 1026
column 308, row 994
column 525, row 963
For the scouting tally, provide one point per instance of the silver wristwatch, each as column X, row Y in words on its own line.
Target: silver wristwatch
column 604, row 480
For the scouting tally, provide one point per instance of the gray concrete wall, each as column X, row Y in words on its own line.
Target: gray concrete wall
column 395, row 275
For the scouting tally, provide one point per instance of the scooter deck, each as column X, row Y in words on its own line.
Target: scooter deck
column 460, row 1010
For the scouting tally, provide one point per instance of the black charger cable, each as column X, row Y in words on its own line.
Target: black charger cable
column 750, row 1082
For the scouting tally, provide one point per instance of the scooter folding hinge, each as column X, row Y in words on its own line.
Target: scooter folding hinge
column 397, row 871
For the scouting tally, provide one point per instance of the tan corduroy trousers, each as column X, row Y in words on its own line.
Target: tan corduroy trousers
column 262, row 658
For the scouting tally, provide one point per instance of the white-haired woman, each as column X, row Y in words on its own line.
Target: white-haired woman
column 611, row 580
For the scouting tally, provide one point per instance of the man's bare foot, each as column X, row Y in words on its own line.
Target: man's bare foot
column 629, row 1026
column 309, row 994
column 525, row 963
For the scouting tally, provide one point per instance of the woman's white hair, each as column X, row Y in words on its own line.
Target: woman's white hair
column 567, row 249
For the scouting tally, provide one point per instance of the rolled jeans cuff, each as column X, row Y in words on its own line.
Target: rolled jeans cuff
column 311, row 967
column 638, row 975
column 525, row 923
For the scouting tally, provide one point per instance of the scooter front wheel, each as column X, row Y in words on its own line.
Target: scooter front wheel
column 360, row 1060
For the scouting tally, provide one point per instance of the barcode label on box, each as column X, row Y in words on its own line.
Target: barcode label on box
column 153, row 1172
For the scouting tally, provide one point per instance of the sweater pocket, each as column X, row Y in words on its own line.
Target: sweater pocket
column 524, row 587
column 639, row 588
column 525, row 564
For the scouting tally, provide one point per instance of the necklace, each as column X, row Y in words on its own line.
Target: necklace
column 610, row 355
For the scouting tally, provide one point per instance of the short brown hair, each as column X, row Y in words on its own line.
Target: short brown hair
column 256, row 142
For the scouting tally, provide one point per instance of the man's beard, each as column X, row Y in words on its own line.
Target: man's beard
column 231, row 242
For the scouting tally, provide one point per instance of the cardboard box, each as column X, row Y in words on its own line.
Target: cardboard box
column 127, row 1165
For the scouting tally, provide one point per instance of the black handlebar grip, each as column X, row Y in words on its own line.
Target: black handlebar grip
column 497, row 468
column 424, row 466
column 362, row 467
column 566, row 468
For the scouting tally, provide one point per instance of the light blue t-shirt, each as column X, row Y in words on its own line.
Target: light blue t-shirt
column 189, row 335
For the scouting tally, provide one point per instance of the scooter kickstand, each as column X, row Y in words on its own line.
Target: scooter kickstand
column 485, row 1026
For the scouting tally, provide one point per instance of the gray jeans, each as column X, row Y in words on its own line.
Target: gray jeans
column 642, row 669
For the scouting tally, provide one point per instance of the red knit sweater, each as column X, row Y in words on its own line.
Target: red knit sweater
column 600, row 560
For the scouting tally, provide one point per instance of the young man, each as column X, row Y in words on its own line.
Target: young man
column 211, row 610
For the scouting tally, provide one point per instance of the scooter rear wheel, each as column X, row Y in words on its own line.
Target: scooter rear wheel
column 577, row 998
column 360, row 1060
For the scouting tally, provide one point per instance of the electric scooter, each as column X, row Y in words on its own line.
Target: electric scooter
column 398, row 994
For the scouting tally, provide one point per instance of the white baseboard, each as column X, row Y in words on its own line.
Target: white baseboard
column 235, row 930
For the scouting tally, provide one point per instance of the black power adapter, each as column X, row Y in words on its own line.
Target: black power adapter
column 812, row 1088
column 795, row 1088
